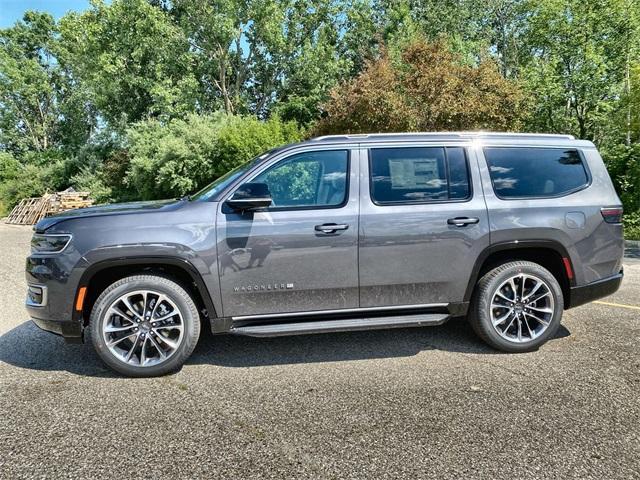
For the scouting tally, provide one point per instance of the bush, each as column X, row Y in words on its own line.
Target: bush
column 32, row 177
column 632, row 226
column 179, row 157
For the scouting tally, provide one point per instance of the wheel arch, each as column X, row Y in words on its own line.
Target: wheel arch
column 101, row 274
column 549, row 254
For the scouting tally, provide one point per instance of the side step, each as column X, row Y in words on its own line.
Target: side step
column 343, row 325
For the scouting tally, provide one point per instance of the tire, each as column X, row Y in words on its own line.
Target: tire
column 165, row 331
column 524, row 333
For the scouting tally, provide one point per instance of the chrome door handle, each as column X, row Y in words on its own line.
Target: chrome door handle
column 330, row 227
column 462, row 221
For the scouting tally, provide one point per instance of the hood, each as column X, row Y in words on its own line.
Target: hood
column 109, row 210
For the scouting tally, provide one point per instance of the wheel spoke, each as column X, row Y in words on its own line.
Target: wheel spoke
column 539, row 297
column 499, row 320
column 537, row 319
column 167, row 341
column 161, row 298
column 512, row 283
column 143, row 355
column 541, row 310
column 133, row 347
column 127, row 303
column 112, row 329
column 157, row 347
column 169, row 327
column 509, row 326
column 524, row 319
column 533, row 290
column 498, row 293
column 519, row 329
column 113, row 343
column 165, row 317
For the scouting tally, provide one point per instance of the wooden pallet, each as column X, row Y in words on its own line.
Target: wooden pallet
column 31, row 210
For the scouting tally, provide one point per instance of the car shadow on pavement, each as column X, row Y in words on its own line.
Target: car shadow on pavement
column 26, row 346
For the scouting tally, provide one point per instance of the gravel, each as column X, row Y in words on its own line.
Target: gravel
column 413, row 403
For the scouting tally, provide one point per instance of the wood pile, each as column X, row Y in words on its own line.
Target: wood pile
column 31, row 210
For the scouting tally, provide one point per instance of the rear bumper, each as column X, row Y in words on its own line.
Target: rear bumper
column 595, row 290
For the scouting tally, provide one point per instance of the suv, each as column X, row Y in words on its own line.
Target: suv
column 349, row 232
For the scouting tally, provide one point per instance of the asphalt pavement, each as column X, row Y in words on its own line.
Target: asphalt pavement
column 408, row 403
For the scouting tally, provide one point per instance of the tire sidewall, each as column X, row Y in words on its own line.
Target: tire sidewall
column 487, row 291
column 175, row 293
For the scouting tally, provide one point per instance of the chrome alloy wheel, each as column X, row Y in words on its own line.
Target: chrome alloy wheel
column 522, row 308
column 143, row 328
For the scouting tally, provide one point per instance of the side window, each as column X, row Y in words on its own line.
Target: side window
column 310, row 179
column 418, row 174
column 535, row 172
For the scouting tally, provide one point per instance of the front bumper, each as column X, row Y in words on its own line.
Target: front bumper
column 595, row 290
column 58, row 277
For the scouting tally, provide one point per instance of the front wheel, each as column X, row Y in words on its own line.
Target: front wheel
column 144, row 326
column 517, row 306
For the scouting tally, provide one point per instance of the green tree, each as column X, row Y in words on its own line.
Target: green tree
column 41, row 105
column 133, row 59
column 577, row 64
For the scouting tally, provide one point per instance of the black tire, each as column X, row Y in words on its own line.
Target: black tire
column 153, row 283
column 480, row 308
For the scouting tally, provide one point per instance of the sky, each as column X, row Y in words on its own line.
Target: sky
column 13, row 10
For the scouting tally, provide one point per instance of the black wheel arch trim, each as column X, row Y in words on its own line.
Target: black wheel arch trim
column 159, row 260
column 514, row 245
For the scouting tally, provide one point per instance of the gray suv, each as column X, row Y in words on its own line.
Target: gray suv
column 349, row 232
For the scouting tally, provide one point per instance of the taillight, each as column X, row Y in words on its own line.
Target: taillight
column 612, row 214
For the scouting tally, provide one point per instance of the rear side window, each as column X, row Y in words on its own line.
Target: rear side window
column 535, row 172
column 419, row 174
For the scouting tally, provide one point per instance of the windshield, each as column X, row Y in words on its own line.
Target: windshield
column 214, row 188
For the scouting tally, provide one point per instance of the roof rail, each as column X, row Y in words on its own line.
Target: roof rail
column 480, row 134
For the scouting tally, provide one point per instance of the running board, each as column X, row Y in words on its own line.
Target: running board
column 343, row 325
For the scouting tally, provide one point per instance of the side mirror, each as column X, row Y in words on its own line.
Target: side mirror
column 250, row 196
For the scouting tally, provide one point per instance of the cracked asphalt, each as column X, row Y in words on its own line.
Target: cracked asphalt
column 412, row 403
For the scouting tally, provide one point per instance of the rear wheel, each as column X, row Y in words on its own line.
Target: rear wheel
column 517, row 306
column 144, row 325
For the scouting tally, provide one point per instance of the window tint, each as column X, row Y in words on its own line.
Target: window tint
column 418, row 174
column 535, row 172
column 308, row 179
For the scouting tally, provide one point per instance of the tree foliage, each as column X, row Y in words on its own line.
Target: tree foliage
column 150, row 98
column 430, row 88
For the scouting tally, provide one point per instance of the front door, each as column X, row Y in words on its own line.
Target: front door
column 300, row 254
column 423, row 224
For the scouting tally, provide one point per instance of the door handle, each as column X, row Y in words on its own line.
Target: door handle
column 330, row 227
column 462, row 221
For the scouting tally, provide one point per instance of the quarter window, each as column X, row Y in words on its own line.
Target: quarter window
column 309, row 179
column 419, row 175
column 535, row 172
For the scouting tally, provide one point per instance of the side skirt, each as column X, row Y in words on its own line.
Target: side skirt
column 339, row 320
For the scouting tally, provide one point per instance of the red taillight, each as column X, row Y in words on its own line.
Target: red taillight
column 612, row 214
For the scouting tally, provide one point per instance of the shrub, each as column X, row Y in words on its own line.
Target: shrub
column 179, row 157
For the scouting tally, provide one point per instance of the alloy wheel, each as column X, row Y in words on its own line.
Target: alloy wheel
column 143, row 328
column 522, row 308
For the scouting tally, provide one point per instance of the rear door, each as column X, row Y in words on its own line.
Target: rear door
column 423, row 223
column 300, row 254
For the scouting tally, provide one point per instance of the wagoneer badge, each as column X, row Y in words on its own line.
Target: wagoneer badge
column 263, row 287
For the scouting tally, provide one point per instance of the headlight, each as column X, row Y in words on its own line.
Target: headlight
column 49, row 243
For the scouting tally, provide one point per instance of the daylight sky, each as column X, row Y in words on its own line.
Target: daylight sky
column 13, row 10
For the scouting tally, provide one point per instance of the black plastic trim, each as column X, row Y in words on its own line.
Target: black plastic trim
column 595, row 290
column 159, row 260
column 512, row 245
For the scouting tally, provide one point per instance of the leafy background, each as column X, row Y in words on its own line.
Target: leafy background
column 144, row 99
